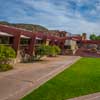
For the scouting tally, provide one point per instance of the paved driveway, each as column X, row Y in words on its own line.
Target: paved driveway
column 24, row 78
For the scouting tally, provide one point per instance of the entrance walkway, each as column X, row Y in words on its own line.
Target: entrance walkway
column 25, row 77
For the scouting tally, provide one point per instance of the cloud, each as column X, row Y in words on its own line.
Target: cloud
column 76, row 16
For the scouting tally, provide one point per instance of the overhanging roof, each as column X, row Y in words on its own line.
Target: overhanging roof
column 5, row 34
column 25, row 37
column 37, row 38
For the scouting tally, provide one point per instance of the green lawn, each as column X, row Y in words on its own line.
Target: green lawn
column 81, row 78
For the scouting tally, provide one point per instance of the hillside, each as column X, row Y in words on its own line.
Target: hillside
column 31, row 27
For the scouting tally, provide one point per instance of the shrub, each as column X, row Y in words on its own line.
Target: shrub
column 6, row 55
column 54, row 50
column 46, row 50
column 57, row 50
column 41, row 51
column 5, row 67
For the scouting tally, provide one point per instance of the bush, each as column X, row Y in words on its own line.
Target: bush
column 57, row 50
column 54, row 50
column 5, row 67
column 41, row 51
column 46, row 50
column 6, row 55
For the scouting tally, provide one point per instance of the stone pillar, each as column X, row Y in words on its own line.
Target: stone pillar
column 47, row 42
column 16, row 44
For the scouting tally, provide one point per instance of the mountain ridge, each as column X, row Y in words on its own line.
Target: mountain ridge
column 30, row 27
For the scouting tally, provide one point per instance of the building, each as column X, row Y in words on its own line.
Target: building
column 23, row 41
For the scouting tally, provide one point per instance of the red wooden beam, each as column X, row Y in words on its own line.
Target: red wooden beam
column 91, row 41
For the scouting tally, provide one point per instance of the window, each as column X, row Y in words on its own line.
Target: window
column 67, row 47
column 39, row 41
column 6, row 40
column 24, row 41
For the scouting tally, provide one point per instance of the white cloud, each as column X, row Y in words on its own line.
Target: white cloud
column 58, row 16
column 55, row 17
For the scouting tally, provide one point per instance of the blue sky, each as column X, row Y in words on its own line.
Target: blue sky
column 75, row 16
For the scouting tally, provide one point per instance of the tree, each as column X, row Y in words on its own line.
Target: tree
column 93, row 37
column 98, row 37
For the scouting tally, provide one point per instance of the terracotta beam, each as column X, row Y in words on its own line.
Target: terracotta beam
column 16, row 42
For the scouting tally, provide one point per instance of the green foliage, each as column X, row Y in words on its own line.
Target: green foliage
column 94, row 37
column 44, row 50
column 98, row 37
column 54, row 50
column 57, row 50
column 41, row 51
column 6, row 53
column 5, row 67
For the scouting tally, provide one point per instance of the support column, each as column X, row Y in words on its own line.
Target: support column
column 16, row 42
column 62, row 47
column 44, row 39
column 32, row 46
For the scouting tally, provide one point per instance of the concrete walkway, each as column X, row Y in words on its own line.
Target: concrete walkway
column 26, row 77
column 95, row 96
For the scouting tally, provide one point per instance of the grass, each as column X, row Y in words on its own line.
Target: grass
column 81, row 78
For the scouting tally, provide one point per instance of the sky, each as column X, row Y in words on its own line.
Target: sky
column 74, row 16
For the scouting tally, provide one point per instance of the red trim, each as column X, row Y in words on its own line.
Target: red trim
column 91, row 41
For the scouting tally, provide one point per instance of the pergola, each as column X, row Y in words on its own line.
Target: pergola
column 5, row 34
column 19, row 33
column 6, row 38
